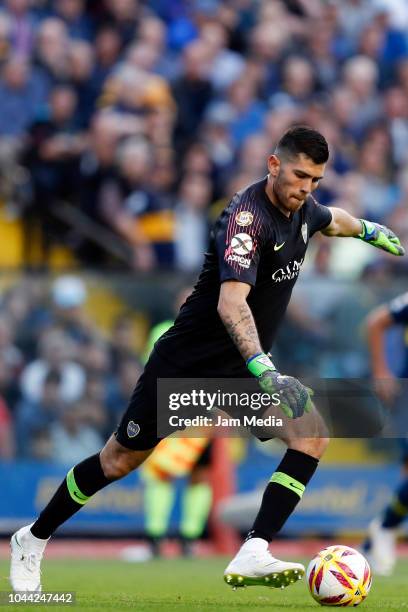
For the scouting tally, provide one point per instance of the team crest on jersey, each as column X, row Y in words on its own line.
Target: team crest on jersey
column 304, row 232
column 244, row 218
column 132, row 429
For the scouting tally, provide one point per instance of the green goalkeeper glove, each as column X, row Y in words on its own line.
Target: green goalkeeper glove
column 380, row 237
column 294, row 397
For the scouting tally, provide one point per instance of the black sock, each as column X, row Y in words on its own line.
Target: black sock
column 283, row 493
column 83, row 481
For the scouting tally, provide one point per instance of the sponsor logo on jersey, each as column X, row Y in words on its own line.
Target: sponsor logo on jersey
column 132, row 429
column 289, row 272
column 241, row 244
column 244, row 218
column 244, row 262
column 304, row 232
column 277, row 247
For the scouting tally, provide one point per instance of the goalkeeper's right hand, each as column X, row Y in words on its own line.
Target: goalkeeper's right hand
column 294, row 397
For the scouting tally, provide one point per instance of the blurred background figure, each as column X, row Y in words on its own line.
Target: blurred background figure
column 68, row 298
column 174, row 458
column 56, row 353
column 386, row 367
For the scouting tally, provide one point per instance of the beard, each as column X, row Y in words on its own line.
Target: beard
column 284, row 203
column 285, row 200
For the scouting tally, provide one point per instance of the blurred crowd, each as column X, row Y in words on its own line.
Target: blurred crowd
column 148, row 115
column 65, row 380
column 63, row 383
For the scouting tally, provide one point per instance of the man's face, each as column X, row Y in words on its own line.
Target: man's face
column 294, row 179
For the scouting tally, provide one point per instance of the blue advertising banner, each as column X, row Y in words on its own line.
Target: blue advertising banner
column 339, row 498
column 28, row 486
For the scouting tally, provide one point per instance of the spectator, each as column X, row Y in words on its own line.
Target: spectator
column 52, row 158
column 95, row 358
column 379, row 196
column 7, row 446
column 69, row 295
column 217, row 138
column 80, row 69
column 129, row 371
column 97, row 171
column 25, row 305
column 72, row 439
column 22, row 92
column 96, row 412
column 5, row 28
column 152, row 31
column 40, row 446
column 192, row 92
column 107, row 47
column 125, row 16
column 8, row 350
column 35, row 416
column 135, row 211
column 253, row 154
column 226, row 65
column 77, row 21
column 9, row 388
column 247, row 112
column 56, row 354
column 191, row 222
column 396, row 111
column 51, row 49
column 360, row 75
column 268, row 45
column 298, row 83
column 22, row 26
column 122, row 342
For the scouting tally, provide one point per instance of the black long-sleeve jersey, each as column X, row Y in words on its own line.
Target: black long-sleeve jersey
column 254, row 243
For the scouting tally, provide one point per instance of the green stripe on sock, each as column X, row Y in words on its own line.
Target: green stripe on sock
column 287, row 481
column 74, row 491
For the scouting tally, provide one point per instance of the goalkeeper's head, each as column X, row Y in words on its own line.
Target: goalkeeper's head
column 296, row 167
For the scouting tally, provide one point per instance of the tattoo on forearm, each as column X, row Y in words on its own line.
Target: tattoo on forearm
column 243, row 331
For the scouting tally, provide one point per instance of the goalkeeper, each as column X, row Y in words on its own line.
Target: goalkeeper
column 224, row 329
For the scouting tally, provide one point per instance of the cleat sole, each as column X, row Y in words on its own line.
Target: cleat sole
column 278, row 580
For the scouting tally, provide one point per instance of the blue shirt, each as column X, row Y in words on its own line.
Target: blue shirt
column 398, row 309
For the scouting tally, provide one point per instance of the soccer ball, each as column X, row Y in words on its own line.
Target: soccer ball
column 339, row 576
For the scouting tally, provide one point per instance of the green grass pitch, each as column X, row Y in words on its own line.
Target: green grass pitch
column 193, row 585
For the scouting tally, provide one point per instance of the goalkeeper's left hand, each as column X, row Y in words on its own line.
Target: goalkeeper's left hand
column 381, row 237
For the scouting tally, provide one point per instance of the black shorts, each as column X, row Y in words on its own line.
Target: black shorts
column 138, row 427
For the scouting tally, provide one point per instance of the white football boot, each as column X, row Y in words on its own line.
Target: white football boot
column 382, row 552
column 26, row 555
column 254, row 565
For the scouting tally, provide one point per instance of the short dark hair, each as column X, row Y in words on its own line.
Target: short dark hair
column 303, row 139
